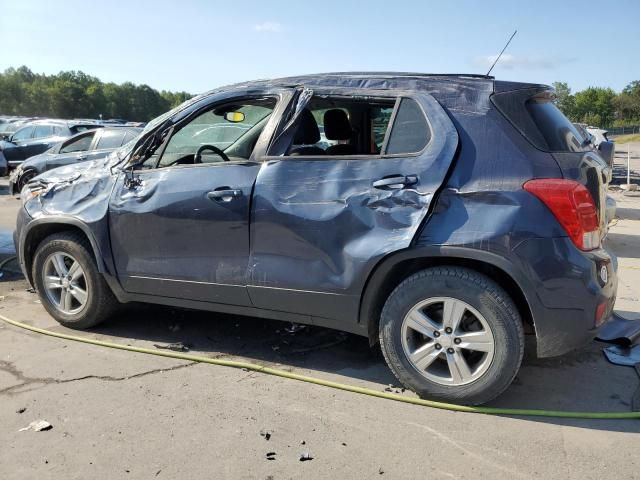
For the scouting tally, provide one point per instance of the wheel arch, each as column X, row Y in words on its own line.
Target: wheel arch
column 38, row 230
column 392, row 270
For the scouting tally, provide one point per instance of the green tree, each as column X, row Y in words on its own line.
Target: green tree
column 564, row 100
column 78, row 95
column 595, row 106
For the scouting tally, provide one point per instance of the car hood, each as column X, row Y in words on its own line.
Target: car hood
column 79, row 190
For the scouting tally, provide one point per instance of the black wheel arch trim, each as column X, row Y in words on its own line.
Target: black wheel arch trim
column 367, row 317
column 34, row 225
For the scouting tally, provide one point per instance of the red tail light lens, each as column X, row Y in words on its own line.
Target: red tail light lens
column 572, row 205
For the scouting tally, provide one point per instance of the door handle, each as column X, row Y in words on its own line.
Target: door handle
column 83, row 157
column 397, row 181
column 224, row 195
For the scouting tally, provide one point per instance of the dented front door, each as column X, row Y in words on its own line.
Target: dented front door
column 320, row 225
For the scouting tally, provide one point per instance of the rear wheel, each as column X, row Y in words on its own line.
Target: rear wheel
column 452, row 334
column 68, row 282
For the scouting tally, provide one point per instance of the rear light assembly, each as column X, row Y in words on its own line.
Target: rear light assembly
column 573, row 206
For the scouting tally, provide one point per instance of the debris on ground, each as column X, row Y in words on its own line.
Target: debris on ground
column 271, row 455
column 176, row 347
column 37, row 426
column 302, row 442
column 294, row 328
column 266, row 434
column 380, row 471
column 306, row 456
column 21, row 410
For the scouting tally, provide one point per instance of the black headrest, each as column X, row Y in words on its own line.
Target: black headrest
column 308, row 132
column 337, row 125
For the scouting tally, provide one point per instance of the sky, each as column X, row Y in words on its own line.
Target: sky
column 199, row 45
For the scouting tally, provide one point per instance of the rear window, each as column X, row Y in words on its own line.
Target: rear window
column 535, row 115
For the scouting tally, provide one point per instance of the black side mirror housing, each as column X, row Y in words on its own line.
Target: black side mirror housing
column 607, row 152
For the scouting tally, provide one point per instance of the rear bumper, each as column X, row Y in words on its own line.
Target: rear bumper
column 568, row 291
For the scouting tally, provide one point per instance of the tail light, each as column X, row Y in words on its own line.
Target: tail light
column 573, row 206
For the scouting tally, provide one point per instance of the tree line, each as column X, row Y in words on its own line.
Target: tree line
column 78, row 95
column 601, row 107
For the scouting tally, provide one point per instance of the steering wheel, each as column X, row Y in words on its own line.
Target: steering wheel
column 198, row 157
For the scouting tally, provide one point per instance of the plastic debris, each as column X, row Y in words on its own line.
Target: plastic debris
column 38, row 426
column 294, row 328
column 266, row 434
column 305, row 456
column 271, row 455
column 21, row 410
column 176, row 347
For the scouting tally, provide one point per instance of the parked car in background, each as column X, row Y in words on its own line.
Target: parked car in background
column 84, row 146
column 454, row 214
column 9, row 127
column 39, row 136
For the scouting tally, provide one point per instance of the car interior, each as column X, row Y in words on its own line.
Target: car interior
column 223, row 134
column 341, row 126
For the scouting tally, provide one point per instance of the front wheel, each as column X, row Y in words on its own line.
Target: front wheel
column 452, row 334
column 68, row 282
column 25, row 178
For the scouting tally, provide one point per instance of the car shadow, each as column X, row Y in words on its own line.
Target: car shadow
column 579, row 381
column 623, row 244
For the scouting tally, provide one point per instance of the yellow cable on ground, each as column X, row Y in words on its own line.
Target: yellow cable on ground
column 328, row 383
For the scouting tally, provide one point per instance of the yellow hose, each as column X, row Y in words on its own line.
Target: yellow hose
column 328, row 383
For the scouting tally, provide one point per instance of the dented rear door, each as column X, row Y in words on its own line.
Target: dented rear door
column 320, row 224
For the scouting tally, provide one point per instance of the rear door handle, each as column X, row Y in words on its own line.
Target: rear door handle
column 224, row 194
column 396, row 181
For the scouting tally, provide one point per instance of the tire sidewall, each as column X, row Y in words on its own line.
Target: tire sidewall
column 499, row 316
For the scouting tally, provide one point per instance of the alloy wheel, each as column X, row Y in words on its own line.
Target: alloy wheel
column 447, row 341
column 65, row 283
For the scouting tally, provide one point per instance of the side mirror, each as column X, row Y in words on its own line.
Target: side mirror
column 607, row 152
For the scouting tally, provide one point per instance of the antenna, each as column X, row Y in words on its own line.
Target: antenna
column 500, row 55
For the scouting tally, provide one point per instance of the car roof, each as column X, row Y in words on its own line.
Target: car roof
column 382, row 80
column 459, row 91
column 65, row 123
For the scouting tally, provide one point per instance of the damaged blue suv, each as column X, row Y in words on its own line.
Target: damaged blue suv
column 443, row 216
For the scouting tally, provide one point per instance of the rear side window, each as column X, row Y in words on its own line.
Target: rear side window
column 80, row 144
column 43, row 131
column 536, row 117
column 128, row 137
column 110, row 140
column 410, row 132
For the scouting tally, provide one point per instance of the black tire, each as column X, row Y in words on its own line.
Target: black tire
column 100, row 303
column 485, row 296
column 25, row 178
